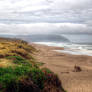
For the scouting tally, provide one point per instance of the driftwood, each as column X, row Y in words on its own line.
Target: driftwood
column 77, row 69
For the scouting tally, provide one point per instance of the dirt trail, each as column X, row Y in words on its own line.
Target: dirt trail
column 63, row 65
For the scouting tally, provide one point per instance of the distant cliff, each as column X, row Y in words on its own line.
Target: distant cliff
column 44, row 38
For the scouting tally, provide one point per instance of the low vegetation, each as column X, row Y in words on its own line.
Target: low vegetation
column 19, row 72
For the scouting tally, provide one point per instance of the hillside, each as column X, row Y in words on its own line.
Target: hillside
column 20, row 72
column 44, row 38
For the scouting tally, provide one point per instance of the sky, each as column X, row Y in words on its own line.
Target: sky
column 45, row 16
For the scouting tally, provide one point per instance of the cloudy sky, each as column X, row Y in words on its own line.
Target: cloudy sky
column 45, row 16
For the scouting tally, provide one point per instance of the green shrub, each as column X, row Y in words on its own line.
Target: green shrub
column 5, row 70
column 38, row 77
column 7, row 79
column 22, row 70
column 11, row 75
column 19, row 60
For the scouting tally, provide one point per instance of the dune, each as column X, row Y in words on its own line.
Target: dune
column 20, row 71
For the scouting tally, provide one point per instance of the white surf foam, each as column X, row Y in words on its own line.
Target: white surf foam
column 76, row 52
column 75, row 49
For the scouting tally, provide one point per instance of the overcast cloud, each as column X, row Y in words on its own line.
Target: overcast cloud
column 45, row 16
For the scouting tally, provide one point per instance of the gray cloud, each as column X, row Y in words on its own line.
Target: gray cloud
column 52, row 16
column 44, row 28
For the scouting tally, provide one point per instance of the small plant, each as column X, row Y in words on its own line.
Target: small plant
column 46, row 70
column 39, row 63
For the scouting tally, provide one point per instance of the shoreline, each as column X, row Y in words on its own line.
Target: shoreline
column 72, row 52
column 63, row 65
column 65, row 51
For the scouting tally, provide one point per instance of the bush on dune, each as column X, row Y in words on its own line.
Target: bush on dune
column 25, row 79
column 9, row 75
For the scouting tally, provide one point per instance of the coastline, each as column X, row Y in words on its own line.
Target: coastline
column 63, row 65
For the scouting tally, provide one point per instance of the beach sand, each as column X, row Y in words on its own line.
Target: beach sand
column 63, row 65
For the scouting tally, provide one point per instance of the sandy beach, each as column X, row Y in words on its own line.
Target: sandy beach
column 63, row 65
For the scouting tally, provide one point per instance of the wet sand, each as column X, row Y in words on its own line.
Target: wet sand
column 63, row 65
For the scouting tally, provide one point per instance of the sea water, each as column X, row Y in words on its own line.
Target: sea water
column 78, row 44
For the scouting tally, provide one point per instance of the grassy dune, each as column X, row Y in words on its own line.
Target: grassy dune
column 19, row 71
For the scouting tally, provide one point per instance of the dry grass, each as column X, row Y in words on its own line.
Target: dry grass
column 9, row 47
column 6, row 63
